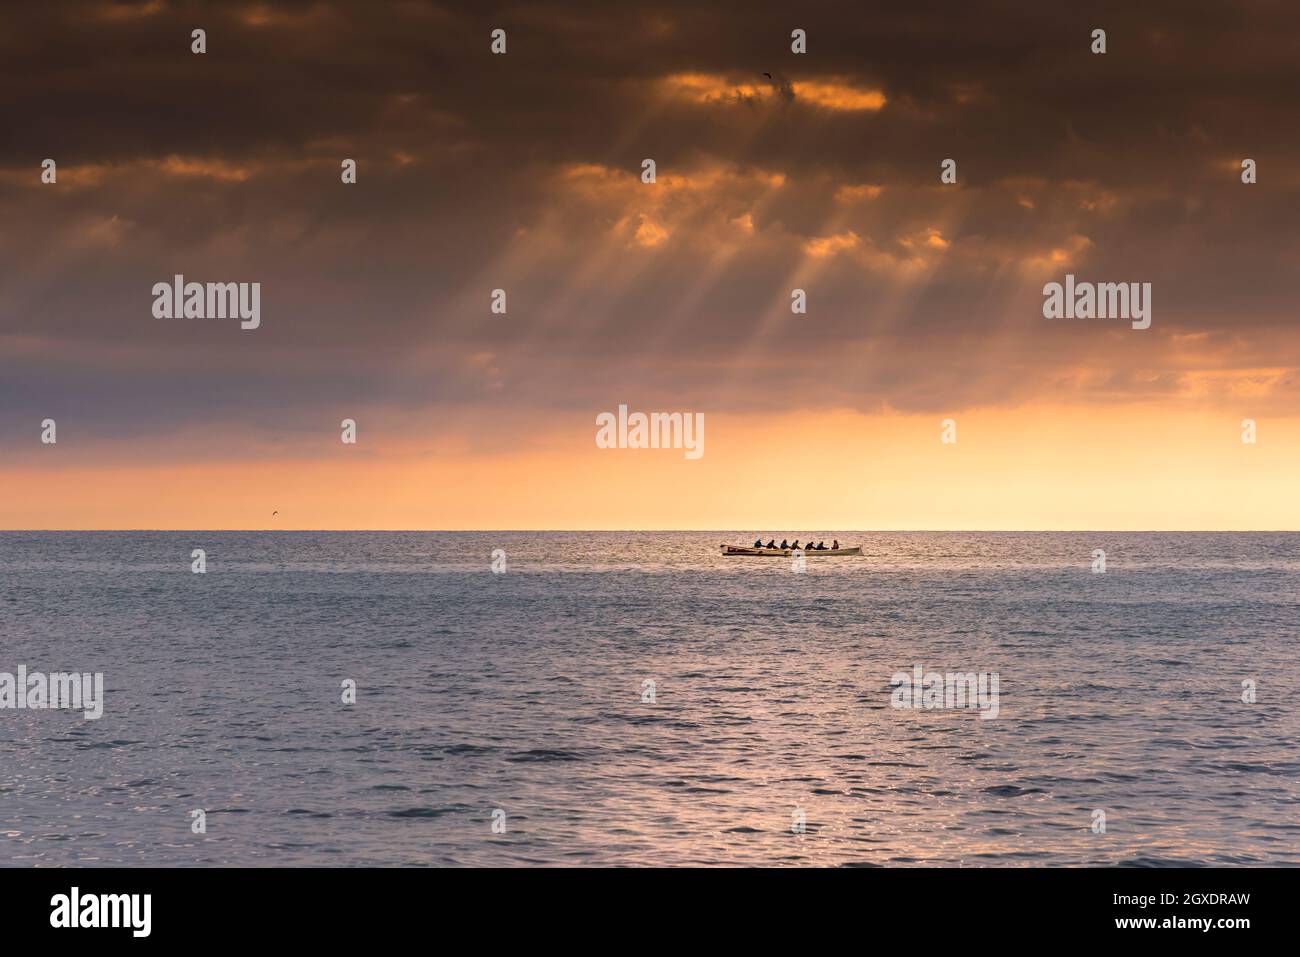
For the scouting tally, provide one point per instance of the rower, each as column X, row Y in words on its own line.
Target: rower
column 835, row 544
column 784, row 543
column 758, row 543
column 771, row 544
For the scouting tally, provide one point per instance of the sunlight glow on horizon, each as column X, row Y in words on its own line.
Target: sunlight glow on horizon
column 1041, row 469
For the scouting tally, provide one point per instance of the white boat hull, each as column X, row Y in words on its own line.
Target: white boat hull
column 743, row 551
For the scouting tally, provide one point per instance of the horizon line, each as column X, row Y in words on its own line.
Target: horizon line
column 864, row 531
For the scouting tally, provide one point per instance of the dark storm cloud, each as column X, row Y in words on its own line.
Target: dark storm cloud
column 90, row 79
column 520, row 172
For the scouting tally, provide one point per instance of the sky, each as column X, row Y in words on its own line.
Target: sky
column 775, row 171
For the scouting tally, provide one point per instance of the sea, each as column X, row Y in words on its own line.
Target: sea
column 634, row 698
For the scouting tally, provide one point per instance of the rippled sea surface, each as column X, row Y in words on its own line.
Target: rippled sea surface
column 526, row 692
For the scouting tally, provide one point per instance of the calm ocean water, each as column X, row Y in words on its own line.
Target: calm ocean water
column 523, row 692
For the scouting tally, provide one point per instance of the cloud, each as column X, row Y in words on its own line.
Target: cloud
column 521, row 172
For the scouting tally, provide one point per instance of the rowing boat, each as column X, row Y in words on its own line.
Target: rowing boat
column 745, row 551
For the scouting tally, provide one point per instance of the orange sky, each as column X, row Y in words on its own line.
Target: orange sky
column 1049, row 468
